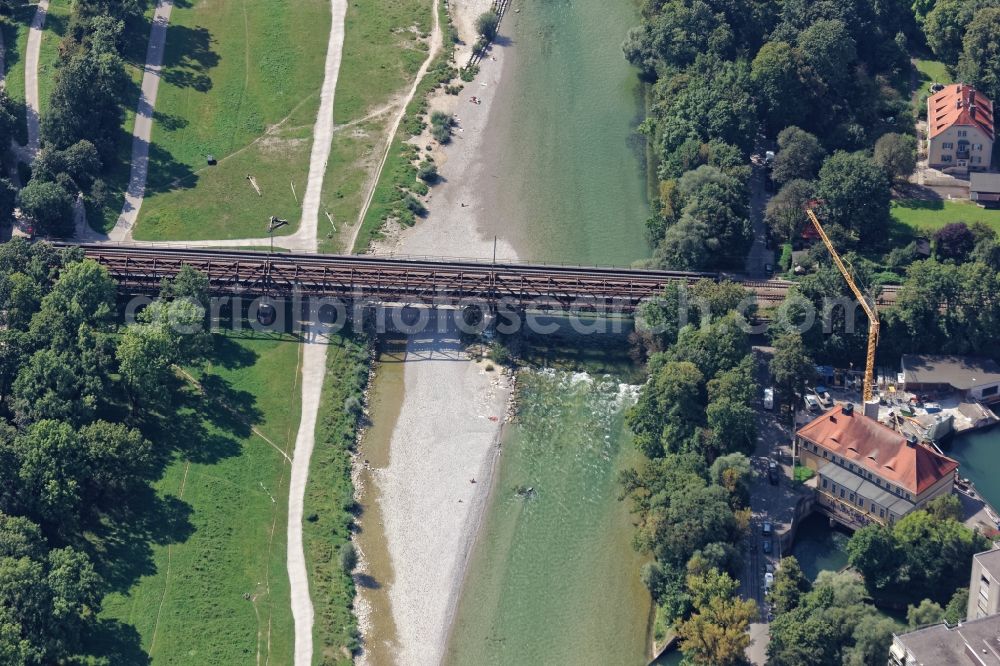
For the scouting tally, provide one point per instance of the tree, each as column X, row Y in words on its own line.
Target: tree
column 189, row 283
column 120, row 459
column 980, row 60
column 829, row 49
column 855, row 193
column 733, row 425
column 945, row 507
column 670, row 407
column 786, row 210
column 487, row 24
column 789, row 585
column 49, row 206
column 945, row 27
column 717, row 633
column 790, row 365
column 53, row 385
column 954, row 241
column 733, row 472
column 870, row 640
column 800, row 156
column 926, row 613
column 957, row 607
column 873, row 551
column 51, row 465
column 775, row 73
column 897, row 154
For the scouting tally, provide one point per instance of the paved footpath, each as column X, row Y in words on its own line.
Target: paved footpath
column 31, row 77
column 142, row 132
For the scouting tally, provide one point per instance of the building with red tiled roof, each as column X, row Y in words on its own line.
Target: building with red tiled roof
column 960, row 130
column 868, row 472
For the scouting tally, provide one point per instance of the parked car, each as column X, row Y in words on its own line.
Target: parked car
column 824, row 397
column 766, row 528
column 812, row 404
column 769, row 398
column 769, row 568
column 772, row 472
column 767, row 545
column 768, row 580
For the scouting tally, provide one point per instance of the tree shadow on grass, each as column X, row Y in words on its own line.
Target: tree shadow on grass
column 125, row 538
column 169, row 122
column 230, row 355
column 188, row 57
column 116, row 642
column 166, row 173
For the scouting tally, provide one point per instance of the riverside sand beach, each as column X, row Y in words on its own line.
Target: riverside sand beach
column 432, row 487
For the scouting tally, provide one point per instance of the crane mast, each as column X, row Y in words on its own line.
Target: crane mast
column 868, row 388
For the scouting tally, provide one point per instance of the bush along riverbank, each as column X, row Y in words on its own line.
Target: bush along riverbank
column 406, row 175
column 330, row 506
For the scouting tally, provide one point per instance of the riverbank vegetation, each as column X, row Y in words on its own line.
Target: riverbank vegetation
column 694, row 422
column 329, row 506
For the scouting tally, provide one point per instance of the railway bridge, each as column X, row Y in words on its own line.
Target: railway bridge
column 140, row 269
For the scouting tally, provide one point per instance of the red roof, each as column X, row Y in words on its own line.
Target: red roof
column 959, row 104
column 878, row 448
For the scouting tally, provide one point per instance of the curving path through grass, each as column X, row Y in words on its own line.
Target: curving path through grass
column 143, row 129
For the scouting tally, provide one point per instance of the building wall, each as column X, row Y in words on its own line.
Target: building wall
column 984, row 593
column 979, row 157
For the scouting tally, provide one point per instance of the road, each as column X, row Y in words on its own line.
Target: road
column 143, row 129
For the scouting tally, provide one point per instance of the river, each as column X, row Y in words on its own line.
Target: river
column 570, row 164
column 553, row 577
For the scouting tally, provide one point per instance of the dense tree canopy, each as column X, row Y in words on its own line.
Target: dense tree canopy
column 72, row 458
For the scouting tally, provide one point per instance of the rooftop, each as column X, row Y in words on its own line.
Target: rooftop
column 961, row 372
column 990, row 561
column 959, row 104
column 976, row 642
column 878, row 448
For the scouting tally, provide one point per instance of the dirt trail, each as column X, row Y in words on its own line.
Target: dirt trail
column 142, row 132
column 435, row 46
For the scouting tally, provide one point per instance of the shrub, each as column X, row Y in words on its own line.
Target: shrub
column 428, row 172
column 348, row 557
column 352, row 405
column 414, row 206
column 786, row 257
column 487, row 24
column 469, row 73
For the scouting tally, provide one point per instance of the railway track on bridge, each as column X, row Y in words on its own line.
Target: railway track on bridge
column 140, row 270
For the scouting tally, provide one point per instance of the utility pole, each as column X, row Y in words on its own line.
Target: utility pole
column 274, row 223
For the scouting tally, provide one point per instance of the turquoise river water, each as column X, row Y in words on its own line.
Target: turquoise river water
column 569, row 162
column 554, row 578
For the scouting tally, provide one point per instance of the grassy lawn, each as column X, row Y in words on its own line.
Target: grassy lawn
column 932, row 71
column 233, row 71
column 370, row 76
column 329, row 501
column 217, row 593
column 15, row 36
column 928, row 216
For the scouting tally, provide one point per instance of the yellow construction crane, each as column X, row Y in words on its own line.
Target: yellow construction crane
column 868, row 388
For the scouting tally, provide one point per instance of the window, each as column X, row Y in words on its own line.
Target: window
column 947, row 146
column 824, row 453
column 852, row 497
column 824, row 483
column 962, row 132
column 861, row 501
column 977, row 160
column 841, row 492
column 946, row 158
column 881, row 513
column 872, row 510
